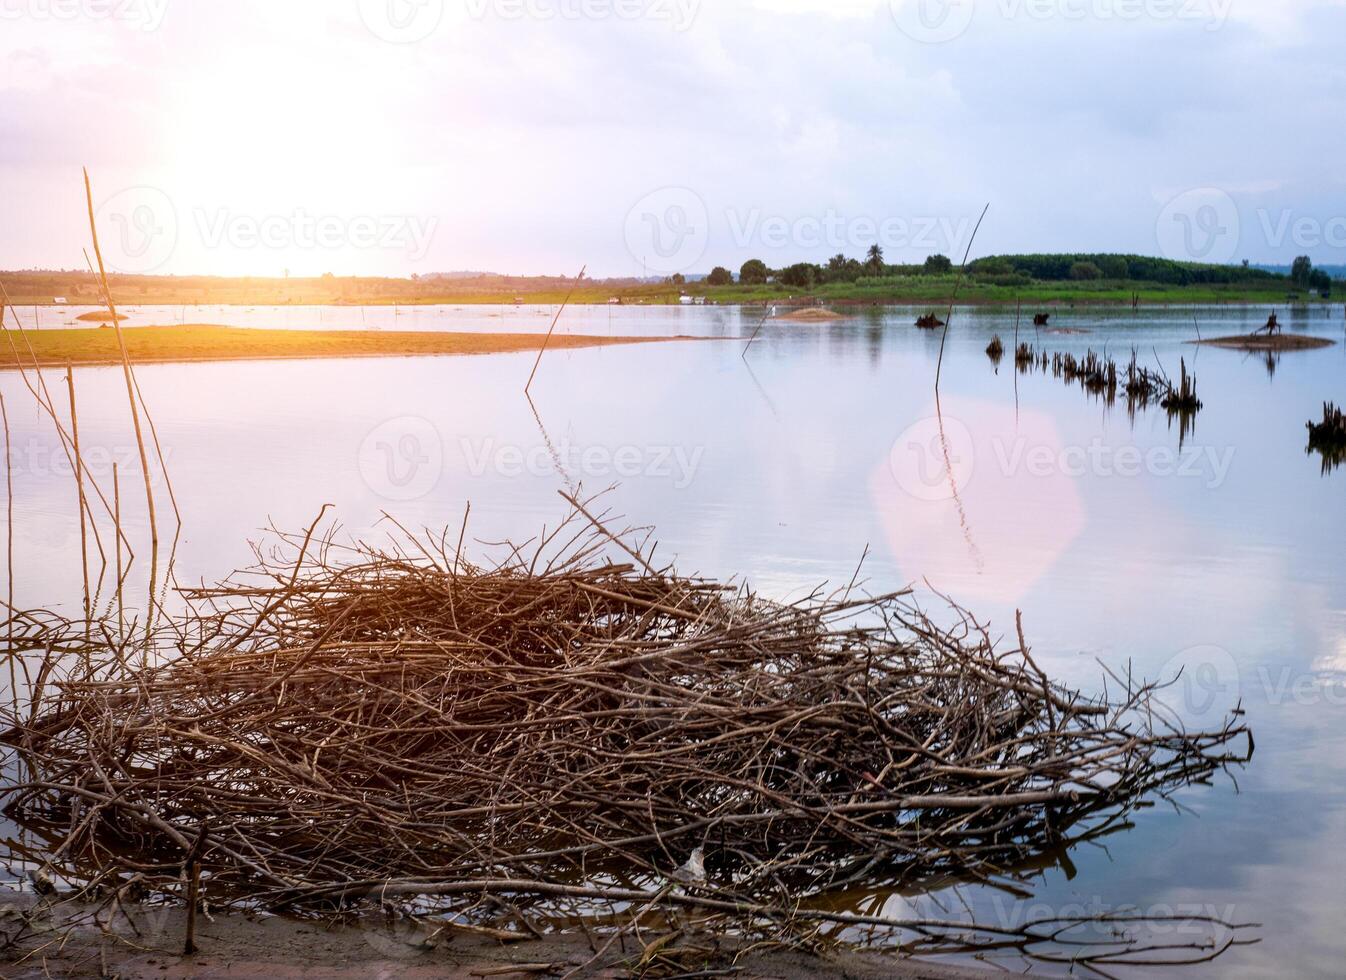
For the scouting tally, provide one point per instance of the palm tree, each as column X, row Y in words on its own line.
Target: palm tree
column 874, row 259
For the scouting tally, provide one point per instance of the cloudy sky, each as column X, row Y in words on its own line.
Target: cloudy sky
column 412, row 136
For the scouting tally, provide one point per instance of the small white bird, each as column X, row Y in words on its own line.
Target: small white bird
column 694, row 871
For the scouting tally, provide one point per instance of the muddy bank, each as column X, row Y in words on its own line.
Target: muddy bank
column 812, row 315
column 148, row 943
column 1263, row 342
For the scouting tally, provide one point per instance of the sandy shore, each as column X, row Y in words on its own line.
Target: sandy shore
column 149, row 944
column 812, row 314
column 204, row 342
column 1265, row 342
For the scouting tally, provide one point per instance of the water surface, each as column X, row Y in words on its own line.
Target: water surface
column 1121, row 547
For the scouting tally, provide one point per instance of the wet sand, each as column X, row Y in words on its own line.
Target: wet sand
column 1264, row 342
column 237, row 946
column 205, row 342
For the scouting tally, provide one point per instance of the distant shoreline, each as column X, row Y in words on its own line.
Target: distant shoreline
column 205, row 343
column 1196, row 298
column 898, row 286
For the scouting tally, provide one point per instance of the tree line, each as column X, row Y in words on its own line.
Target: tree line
column 839, row 268
column 1014, row 270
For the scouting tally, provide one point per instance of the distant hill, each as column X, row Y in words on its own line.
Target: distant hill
column 1115, row 267
column 1335, row 271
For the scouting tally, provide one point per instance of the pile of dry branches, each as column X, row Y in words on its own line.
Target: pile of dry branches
column 567, row 723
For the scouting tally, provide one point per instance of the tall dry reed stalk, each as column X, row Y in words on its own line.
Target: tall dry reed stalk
column 555, row 320
column 129, row 376
column 79, row 486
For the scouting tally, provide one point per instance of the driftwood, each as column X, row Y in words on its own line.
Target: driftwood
column 1328, row 437
column 1100, row 375
column 570, row 724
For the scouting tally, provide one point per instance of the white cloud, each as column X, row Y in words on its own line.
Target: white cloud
column 529, row 138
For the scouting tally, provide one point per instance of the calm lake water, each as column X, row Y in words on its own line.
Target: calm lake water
column 1121, row 547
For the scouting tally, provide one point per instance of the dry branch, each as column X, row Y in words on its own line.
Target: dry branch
column 567, row 725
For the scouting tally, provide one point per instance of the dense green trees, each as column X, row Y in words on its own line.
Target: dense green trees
column 841, row 269
column 753, row 273
column 1113, row 266
column 1021, row 270
column 1304, row 275
column 801, row 275
column 1133, row 268
column 1301, row 270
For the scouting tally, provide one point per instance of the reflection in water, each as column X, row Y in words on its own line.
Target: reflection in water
column 957, row 498
column 556, row 459
column 1098, row 375
column 1118, row 549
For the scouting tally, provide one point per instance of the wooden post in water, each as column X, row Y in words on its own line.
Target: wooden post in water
column 193, row 871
